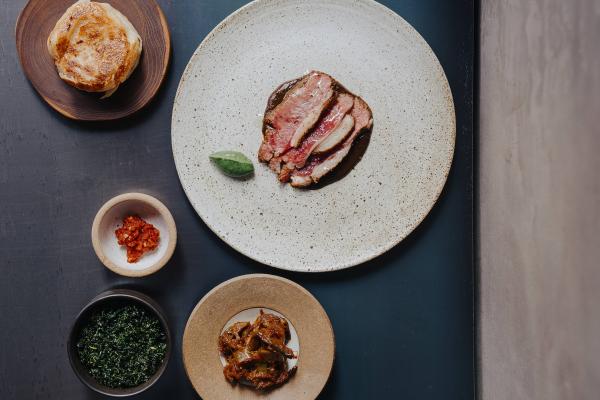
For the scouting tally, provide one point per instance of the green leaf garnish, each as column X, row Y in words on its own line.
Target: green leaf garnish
column 233, row 163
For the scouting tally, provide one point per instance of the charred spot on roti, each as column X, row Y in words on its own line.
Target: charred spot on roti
column 95, row 48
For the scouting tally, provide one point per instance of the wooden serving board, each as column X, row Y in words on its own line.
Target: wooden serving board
column 37, row 21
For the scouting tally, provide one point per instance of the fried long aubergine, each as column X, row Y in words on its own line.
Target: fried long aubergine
column 256, row 353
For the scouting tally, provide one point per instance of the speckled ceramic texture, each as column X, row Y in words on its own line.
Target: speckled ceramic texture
column 376, row 55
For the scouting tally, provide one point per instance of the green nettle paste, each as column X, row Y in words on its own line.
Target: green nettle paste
column 122, row 347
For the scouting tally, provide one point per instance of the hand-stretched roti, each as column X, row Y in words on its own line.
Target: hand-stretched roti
column 95, row 47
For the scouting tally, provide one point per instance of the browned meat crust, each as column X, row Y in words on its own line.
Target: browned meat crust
column 257, row 353
column 293, row 110
column 296, row 161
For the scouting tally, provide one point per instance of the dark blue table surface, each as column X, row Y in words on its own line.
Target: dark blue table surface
column 403, row 322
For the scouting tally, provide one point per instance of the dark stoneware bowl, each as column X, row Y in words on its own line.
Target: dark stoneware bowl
column 115, row 296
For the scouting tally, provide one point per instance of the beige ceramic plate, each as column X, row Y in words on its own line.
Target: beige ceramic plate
column 315, row 340
column 376, row 55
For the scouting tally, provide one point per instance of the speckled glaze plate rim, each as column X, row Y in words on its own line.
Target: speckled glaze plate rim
column 231, row 19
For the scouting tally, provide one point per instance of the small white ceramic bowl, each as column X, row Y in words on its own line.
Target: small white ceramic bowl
column 110, row 217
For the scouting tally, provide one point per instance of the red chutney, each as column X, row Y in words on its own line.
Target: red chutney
column 139, row 236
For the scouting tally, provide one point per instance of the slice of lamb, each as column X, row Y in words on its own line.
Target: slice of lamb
column 320, row 165
column 302, row 177
column 299, row 110
column 337, row 136
column 328, row 125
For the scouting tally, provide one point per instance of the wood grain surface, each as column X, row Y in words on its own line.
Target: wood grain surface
column 540, row 200
column 33, row 28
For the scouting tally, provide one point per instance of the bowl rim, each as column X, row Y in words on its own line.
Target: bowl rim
column 105, row 297
column 150, row 201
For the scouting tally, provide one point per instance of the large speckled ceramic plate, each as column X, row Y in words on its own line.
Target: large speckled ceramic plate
column 376, row 55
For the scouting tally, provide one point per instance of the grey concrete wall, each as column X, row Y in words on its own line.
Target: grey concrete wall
column 540, row 200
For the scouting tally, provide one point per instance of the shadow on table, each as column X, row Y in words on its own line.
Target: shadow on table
column 123, row 124
column 152, row 284
column 329, row 391
column 384, row 261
